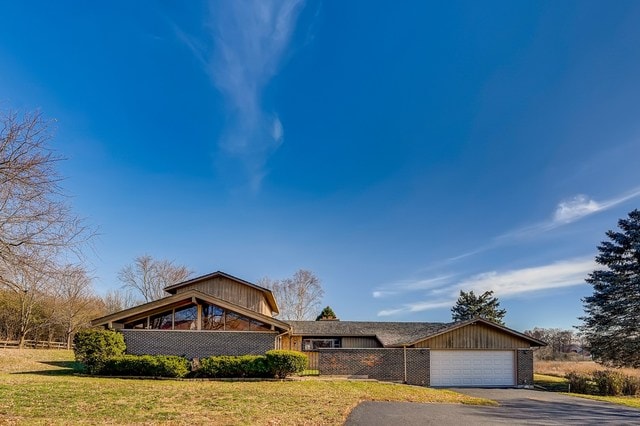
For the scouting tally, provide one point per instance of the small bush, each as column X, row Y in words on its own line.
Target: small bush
column 608, row 382
column 234, row 366
column 283, row 363
column 631, row 386
column 146, row 365
column 578, row 383
column 93, row 347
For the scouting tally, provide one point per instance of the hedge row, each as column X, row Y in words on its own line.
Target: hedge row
column 607, row 382
column 146, row 365
column 276, row 363
column 102, row 352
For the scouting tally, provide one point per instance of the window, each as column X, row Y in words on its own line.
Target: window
column 313, row 344
column 212, row 317
column 259, row 326
column 138, row 324
column 186, row 318
column 237, row 322
column 162, row 321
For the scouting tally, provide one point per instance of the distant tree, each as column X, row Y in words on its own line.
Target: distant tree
column 298, row 297
column 118, row 300
column 558, row 341
column 485, row 306
column 611, row 325
column 326, row 314
column 75, row 301
column 149, row 277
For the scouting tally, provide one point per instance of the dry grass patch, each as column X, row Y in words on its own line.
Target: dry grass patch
column 561, row 368
column 55, row 396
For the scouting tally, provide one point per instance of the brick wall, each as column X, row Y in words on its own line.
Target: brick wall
column 197, row 344
column 385, row 364
column 524, row 368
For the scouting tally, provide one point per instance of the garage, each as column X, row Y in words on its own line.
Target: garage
column 472, row 368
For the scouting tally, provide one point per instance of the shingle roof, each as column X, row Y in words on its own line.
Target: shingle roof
column 388, row 333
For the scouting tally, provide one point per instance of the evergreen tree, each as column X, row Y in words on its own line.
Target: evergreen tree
column 326, row 314
column 485, row 306
column 612, row 321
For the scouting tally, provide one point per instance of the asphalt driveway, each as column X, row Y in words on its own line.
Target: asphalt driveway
column 517, row 407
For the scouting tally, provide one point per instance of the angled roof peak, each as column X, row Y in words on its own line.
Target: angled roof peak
column 172, row 289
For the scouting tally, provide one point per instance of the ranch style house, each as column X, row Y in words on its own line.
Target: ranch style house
column 219, row 314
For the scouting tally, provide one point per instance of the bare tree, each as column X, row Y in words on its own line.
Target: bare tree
column 149, row 277
column 35, row 217
column 298, row 297
column 29, row 288
column 76, row 302
column 118, row 300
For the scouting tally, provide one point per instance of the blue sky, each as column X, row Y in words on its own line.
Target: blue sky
column 401, row 151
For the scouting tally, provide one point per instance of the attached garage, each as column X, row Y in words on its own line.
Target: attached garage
column 472, row 368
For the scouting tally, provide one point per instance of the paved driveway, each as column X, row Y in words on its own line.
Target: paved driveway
column 517, row 407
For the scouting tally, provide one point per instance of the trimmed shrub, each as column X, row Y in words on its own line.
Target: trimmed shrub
column 631, row 386
column 146, row 365
column 608, row 382
column 234, row 366
column 93, row 347
column 284, row 363
column 579, row 383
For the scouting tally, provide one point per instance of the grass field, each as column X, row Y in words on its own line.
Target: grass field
column 561, row 368
column 38, row 387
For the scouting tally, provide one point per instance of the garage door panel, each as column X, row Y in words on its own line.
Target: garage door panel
column 472, row 368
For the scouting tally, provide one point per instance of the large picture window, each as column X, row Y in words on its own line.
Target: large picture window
column 186, row 318
column 162, row 321
column 212, row 317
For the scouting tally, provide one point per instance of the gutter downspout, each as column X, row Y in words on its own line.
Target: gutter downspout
column 405, row 364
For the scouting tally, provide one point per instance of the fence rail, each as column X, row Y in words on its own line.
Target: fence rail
column 33, row 344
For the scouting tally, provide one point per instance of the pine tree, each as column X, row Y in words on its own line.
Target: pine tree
column 326, row 314
column 612, row 321
column 469, row 306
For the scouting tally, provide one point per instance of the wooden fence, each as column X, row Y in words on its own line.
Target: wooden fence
column 33, row 344
column 312, row 363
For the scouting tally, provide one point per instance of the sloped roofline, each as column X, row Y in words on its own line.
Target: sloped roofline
column 457, row 325
column 268, row 294
column 187, row 295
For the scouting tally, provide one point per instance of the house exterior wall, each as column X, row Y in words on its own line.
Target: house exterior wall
column 524, row 368
column 197, row 344
column 232, row 291
column 387, row 364
column 474, row 336
column 360, row 342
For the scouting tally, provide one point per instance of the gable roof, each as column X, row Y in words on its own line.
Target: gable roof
column 456, row 325
column 189, row 295
column 393, row 334
column 267, row 293
column 388, row 333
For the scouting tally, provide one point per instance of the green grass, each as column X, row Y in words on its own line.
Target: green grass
column 629, row 401
column 560, row 384
column 38, row 387
column 551, row 383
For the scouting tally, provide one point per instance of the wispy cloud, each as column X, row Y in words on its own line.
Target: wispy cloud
column 249, row 41
column 567, row 211
column 504, row 284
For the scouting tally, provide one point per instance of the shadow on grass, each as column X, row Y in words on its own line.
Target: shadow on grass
column 66, row 368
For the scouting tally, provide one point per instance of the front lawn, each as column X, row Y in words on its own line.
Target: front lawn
column 560, row 384
column 37, row 386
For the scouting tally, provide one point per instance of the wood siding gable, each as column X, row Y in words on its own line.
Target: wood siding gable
column 231, row 291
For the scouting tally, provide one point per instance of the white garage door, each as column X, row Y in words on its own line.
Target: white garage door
column 472, row 368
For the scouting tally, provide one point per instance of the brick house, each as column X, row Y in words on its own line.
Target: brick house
column 218, row 314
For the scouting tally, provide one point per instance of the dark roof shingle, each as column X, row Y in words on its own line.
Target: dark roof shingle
column 388, row 333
